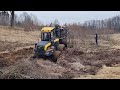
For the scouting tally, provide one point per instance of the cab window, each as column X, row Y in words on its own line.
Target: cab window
column 52, row 34
column 45, row 36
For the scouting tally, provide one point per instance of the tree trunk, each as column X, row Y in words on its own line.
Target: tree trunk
column 12, row 18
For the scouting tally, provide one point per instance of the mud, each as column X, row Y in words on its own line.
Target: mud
column 71, row 63
column 11, row 46
column 7, row 59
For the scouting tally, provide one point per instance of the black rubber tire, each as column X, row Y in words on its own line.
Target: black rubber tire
column 61, row 47
column 35, row 55
column 56, row 54
column 64, row 41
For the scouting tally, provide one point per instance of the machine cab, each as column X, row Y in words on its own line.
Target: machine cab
column 48, row 34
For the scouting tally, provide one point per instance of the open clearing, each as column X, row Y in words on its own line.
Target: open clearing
column 87, row 62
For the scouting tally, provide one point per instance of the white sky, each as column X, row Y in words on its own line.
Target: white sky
column 70, row 16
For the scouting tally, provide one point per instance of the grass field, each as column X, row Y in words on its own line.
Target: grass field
column 76, row 62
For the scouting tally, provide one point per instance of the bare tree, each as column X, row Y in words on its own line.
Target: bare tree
column 110, row 23
column 28, row 21
column 56, row 22
column 12, row 18
column 4, row 18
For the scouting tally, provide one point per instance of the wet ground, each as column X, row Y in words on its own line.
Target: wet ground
column 71, row 63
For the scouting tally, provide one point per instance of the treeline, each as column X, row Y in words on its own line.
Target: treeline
column 24, row 20
column 27, row 21
column 110, row 23
column 30, row 22
column 4, row 18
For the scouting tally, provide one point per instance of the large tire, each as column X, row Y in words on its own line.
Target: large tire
column 35, row 55
column 61, row 47
column 64, row 41
column 56, row 54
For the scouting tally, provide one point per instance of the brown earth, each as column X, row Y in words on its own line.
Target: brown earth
column 16, row 60
column 20, row 64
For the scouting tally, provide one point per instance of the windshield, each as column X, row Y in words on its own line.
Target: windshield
column 45, row 36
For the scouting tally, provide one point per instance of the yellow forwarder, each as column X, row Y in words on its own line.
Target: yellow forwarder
column 50, row 44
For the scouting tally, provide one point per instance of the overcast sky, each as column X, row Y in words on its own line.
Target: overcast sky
column 70, row 16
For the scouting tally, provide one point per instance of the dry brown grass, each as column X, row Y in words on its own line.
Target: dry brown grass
column 11, row 38
column 79, row 35
column 11, row 35
column 105, row 73
column 76, row 35
column 111, row 40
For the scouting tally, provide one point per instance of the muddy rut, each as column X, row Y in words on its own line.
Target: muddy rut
column 72, row 63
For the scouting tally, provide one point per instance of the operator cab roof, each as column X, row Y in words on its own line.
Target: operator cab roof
column 47, row 29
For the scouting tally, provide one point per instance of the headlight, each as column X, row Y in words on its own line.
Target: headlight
column 38, row 47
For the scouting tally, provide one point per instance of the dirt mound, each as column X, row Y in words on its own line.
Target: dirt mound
column 26, row 69
column 77, row 66
column 67, row 74
column 11, row 46
column 75, row 52
column 16, row 76
column 92, row 62
column 7, row 59
column 71, row 63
